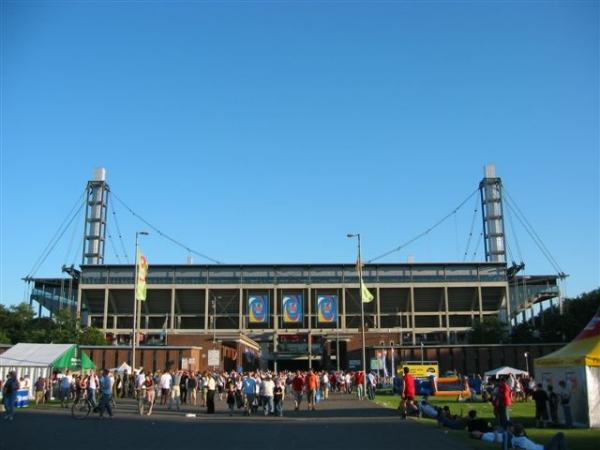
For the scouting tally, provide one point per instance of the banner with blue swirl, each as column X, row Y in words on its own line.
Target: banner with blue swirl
column 291, row 305
column 258, row 308
column 327, row 309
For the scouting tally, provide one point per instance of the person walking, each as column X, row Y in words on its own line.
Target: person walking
column 192, row 384
column 278, row 396
column 312, row 384
column 359, row 382
column 503, row 402
column 40, row 390
column 92, row 385
column 540, row 397
column 230, row 398
column 371, row 385
column 297, row 388
column 249, row 389
column 176, row 391
column 325, row 385
column 211, row 386
column 64, row 389
column 165, row 387
column 266, row 392
column 150, row 392
column 408, row 393
column 106, row 383
column 9, row 395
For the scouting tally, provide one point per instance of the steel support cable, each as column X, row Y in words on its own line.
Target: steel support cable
column 477, row 246
column 531, row 231
column 160, row 233
column 514, row 233
column 427, row 231
column 55, row 237
column 112, row 242
column 113, row 248
column 513, row 203
column 112, row 208
column 37, row 267
column 67, row 258
column 471, row 230
column 536, row 241
column 78, row 249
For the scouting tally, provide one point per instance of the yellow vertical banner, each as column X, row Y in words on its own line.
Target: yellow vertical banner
column 142, row 272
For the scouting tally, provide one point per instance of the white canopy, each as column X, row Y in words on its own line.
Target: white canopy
column 504, row 371
column 33, row 355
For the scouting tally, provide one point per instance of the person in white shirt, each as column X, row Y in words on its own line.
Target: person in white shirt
column 521, row 441
column 165, row 387
column 211, row 387
column 371, row 385
column 325, row 385
column 266, row 392
column 92, row 385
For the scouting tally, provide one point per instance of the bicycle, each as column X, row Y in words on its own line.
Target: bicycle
column 82, row 407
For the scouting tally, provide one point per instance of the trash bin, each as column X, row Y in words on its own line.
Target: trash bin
column 22, row 398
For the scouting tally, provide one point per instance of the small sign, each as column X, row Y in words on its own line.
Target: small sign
column 375, row 364
column 421, row 370
column 354, row 363
column 214, row 358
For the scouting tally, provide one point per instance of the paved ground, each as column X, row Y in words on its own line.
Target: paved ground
column 339, row 423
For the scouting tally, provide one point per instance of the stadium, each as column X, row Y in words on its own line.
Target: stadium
column 294, row 315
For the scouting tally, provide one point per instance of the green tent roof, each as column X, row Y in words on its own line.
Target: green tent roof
column 73, row 359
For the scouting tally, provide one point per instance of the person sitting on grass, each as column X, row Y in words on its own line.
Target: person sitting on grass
column 522, row 442
column 427, row 409
column 474, row 423
column 493, row 436
column 446, row 419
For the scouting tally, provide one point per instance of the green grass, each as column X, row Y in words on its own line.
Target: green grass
column 524, row 412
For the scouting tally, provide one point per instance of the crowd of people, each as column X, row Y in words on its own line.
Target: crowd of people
column 247, row 391
column 263, row 392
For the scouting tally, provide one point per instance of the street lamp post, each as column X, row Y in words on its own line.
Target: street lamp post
column 136, row 314
column 362, row 312
column 526, row 355
column 422, row 354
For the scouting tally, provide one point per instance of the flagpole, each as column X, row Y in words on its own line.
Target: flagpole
column 362, row 313
column 135, row 299
column 135, row 281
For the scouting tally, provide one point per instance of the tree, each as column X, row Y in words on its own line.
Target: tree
column 19, row 324
column 551, row 326
column 91, row 336
column 489, row 331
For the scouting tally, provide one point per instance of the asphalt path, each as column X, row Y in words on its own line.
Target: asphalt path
column 342, row 422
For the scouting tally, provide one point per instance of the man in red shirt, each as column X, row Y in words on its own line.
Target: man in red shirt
column 503, row 401
column 297, row 388
column 359, row 381
column 408, row 392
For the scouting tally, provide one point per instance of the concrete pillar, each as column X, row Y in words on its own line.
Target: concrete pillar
column 480, row 299
column 378, row 311
column 447, row 314
column 242, row 322
column 105, row 314
column 207, row 311
column 412, row 315
column 172, row 318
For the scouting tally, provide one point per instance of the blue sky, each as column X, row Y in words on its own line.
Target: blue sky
column 266, row 131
